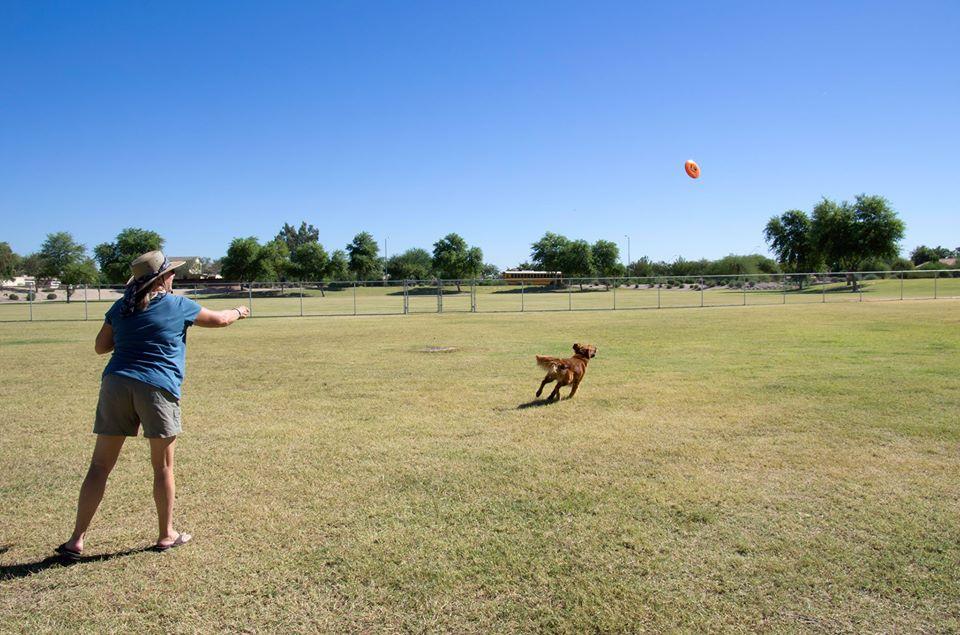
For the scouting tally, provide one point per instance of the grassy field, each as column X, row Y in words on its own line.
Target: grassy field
column 765, row 468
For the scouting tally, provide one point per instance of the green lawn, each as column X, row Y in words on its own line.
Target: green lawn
column 765, row 468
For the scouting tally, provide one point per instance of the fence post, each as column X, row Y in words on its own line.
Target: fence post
column 614, row 297
column 823, row 291
column 354, row 297
column 473, row 296
column 569, row 297
column 439, row 296
column 701, row 292
column 86, row 312
column 301, row 298
column 404, row 296
column 743, row 289
column 98, row 292
column 521, row 296
column 659, row 283
column 783, row 285
column 936, row 275
column 250, row 296
column 859, row 286
column 901, row 285
column 30, row 300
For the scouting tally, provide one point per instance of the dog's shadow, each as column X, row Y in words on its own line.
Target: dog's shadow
column 13, row 571
column 537, row 403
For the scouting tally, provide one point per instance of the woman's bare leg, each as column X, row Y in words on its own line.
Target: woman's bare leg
column 164, row 488
column 105, row 454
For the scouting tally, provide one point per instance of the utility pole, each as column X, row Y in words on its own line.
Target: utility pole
column 385, row 256
column 628, row 251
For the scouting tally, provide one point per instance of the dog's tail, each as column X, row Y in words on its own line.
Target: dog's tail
column 550, row 363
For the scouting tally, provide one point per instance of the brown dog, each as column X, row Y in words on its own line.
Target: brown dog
column 566, row 371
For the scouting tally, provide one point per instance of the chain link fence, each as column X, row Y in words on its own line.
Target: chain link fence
column 400, row 297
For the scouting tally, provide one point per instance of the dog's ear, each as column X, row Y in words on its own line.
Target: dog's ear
column 576, row 348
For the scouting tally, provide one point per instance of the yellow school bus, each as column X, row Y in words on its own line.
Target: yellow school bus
column 527, row 276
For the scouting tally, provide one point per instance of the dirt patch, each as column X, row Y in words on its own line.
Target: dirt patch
column 438, row 349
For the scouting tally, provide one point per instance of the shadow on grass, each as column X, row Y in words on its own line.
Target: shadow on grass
column 14, row 571
column 537, row 403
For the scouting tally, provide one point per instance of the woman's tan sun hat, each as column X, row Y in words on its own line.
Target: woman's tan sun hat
column 151, row 266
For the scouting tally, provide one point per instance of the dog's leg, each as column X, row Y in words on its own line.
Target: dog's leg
column 573, row 390
column 555, row 394
column 546, row 380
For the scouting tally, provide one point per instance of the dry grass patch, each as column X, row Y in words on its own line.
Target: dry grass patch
column 782, row 468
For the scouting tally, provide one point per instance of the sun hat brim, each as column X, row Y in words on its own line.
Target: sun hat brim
column 173, row 265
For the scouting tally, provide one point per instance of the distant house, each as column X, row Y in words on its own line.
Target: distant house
column 29, row 282
column 950, row 262
column 18, row 281
column 191, row 269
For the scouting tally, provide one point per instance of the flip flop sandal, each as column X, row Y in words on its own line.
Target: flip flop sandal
column 176, row 543
column 68, row 554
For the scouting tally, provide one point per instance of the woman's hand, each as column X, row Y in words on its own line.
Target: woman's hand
column 243, row 310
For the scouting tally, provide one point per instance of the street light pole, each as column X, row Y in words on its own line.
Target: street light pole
column 628, row 250
column 385, row 258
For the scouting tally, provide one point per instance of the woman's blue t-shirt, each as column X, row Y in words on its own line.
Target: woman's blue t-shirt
column 151, row 345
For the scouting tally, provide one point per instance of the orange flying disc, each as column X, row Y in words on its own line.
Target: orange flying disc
column 693, row 170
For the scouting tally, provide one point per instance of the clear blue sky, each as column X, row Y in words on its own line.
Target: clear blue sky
column 496, row 120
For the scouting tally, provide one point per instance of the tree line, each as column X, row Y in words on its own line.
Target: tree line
column 847, row 236
column 297, row 254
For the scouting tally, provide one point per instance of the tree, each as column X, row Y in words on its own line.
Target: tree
column 924, row 254
column 413, row 264
column 879, row 228
column 364, row 261
column 453, row 259
column 309, row 262
column 275, row 260
column 339, row 269
column 641, row 268
column 606, row 259
column 547, row 253
column 83, row 271
column 576, row 260
column 489, row 271
column 834, row 235
column 30, row 265
column 845, row 235
column 790, row 238
column 9, row 261
column 58, row 252
column 293, row 238
column 115, row 258
column 243, row 261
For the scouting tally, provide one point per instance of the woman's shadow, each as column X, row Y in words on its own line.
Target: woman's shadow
column 14, row 571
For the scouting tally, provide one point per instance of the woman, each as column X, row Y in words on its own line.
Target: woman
column 147, row 332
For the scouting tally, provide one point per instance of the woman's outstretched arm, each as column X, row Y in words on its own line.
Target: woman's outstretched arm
column 215, row 319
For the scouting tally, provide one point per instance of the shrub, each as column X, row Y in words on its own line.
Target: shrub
column 51, row 296
column 14, row 297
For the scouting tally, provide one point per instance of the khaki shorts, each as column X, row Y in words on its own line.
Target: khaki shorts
column 126, row 403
